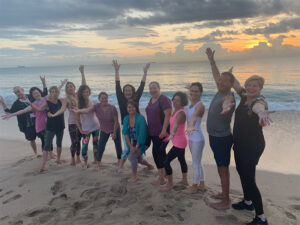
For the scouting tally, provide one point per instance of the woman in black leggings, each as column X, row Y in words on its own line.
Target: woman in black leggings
column 248, row 144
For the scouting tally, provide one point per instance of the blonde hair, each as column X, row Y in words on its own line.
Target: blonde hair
column 70, row 98
column 257, row 78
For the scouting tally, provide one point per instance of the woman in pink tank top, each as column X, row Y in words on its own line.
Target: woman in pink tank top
column 179, row 140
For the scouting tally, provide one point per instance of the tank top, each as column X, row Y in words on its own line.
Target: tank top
column 180, row 139
column 89, row 121
column 197, row 135
column 72, row 117
column 57, row 123
column 41, row 117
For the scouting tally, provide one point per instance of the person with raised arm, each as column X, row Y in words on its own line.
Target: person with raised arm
column 55, row 123
column 158, row 112
column 135, row 131
column 179, row 140
column 251, row 116
column 87, row 123
column 196, row 139
column 109, row 125
column 123, row 96
column 218, row 127
column 72, row 103
column 26, row 121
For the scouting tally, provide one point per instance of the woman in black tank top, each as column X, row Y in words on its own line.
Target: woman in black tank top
column 249, row 143
column 55, row 123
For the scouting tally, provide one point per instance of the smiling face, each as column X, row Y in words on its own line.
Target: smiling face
column 54, row 93
column 177, row 102
column 70, row 88
column 103, row 99
column 195, row 93
column 86, row 94
column 253, row 88
column 224, row 84
column 154, row 90
column 36, row 94
column 19, row 92
column 128, row 92
column 131, row 109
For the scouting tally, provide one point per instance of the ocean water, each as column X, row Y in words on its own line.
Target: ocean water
column 282, row 79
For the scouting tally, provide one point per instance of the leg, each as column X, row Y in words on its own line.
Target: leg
column 183, row 165
column 143, row 161
column 74, row 142
column 48, row 141
column 33, row 146
column 45, row 158
column 172, row 154
column 84, row 149
column 42, row 135
column 101, row 147
column 124, row 155
column 133, row 158
column 118, row 146
column 30, row 136
column 59, row 137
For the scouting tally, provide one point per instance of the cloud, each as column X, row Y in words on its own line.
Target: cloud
column 214, row 36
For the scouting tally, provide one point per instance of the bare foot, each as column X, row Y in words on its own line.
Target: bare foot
column 191, row 190
column 85, row 165
column 132, row 179
column 73, row 163
column 58, row 161
column 167, row 187
column 78, row 160
column 52, row 155
column 220, row 205
column 183, row 182
column 41, row 170
column 217, row 196
column 202, row 188
column 159, row 181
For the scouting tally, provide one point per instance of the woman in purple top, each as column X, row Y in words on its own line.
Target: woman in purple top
column 109, row 125
column 158, row 112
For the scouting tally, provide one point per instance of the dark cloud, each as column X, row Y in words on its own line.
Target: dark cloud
column 213, row 24
column 275, row 28
column 214, row 36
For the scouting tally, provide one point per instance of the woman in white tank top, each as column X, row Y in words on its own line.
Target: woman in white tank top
column 196, row 139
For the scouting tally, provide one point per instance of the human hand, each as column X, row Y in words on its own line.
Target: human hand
column 6, row 116
column 264, row 118
column 162, row 134
column 210, row 54
column 146, row 67
column 43, row 79
column 50, row 115
column 81, row 69
column 189, row 131
column 113, row 136
column 116, row 65
column 63, row 82
column 1, row 100
column 25, row 101
column 133, row 150
column 227, row 107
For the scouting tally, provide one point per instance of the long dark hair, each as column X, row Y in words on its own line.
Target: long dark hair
column 33, row 89
column 132, row 88
column 81, row 101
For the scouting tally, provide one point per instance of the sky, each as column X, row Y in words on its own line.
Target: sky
column 69, row 32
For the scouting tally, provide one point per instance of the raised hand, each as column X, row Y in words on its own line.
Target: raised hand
column 210, row 54
column 146, row 67
column 116, row 65
column 63, row 82
column 81, row 68
column 43, row 79
column 230, row 69
column 264, row 118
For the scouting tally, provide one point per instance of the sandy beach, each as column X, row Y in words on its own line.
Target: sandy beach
column 70, row 195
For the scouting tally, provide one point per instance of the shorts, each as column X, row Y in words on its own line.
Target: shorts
column 30, row 133
column 221, row 147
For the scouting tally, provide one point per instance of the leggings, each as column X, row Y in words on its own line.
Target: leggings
column 246, row 169
column 158, row 151
column 85, row 143
column 49, row 138
column 102, row 143
column 196, row 149
column 172, row 154
column 126, row 151
column 75, row 136
column 135, row 159
column 42, row 136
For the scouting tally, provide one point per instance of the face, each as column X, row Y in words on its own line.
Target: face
column 131, row 109
column 224, row 84
column 54, row 93
column 195, row 93
column 128, row 92
column 103, row 99
column 86, row 94
column 154, row 90
column 19, row 92
column 36, row 94
column 70, row 88
column 253, row 89
column 177, row 102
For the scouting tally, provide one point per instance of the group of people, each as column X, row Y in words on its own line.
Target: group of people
column 41, row 115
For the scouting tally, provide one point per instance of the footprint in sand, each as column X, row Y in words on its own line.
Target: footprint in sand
column 290, row 216
column 79, row 205
column 36, row 212
column 227, row 219
column 56, row 187
column 295, row 207
column 57, row 201
column 12, row 199
column 7, row 193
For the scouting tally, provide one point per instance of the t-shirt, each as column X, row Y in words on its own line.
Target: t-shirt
column 219, row 125
column 89, row 121
column 106, row 118
column 153, row 111
column 123, row 101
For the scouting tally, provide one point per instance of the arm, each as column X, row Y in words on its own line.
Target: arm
column 81, row 69
column 45, row 90
column 146, row 67
column 263, row 115
column 215, row 71
column 20, row 112
column 167, row 113
column 180, row 119
column 116, row 126
column 117, row 67
column 43, row 107
column 62, row 83
column 85, row 110
column 227, row 104
column 199, row 111
column 61, row 110
column 3, row 104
